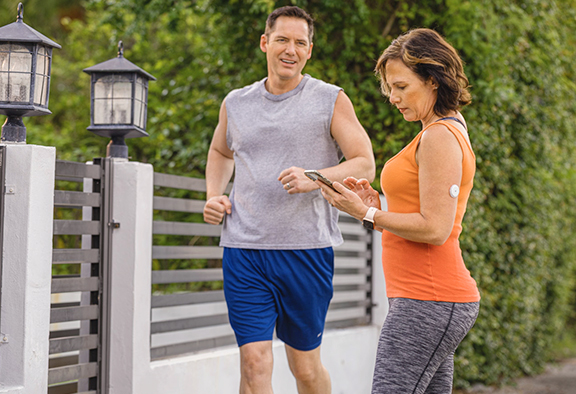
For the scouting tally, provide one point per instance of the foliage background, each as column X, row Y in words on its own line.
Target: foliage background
column 518, row 232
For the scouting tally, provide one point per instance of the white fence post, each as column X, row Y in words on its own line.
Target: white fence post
column 26, row 268
column 132, row 187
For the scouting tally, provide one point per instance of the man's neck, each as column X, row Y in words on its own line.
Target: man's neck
column 278, row 86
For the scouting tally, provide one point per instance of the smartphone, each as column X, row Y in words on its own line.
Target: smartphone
column 316, row 176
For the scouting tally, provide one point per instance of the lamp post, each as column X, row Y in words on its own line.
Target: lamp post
column 25, row 66
column 119, row 102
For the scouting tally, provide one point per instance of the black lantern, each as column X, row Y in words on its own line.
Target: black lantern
column 25, row 65
column 119, row 102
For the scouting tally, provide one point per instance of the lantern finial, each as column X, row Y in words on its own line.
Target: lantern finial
column 20, row 15
column 120, row 49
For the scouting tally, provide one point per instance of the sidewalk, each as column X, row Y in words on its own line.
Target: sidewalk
column 558, row 378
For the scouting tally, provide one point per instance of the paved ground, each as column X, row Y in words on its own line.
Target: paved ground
column 557, row 379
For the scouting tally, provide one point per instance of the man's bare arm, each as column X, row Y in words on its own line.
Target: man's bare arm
column 354, row 142
column 219, row 170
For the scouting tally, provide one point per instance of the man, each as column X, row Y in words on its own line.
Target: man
column 278, row 234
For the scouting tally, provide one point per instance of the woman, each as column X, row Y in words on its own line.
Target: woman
column 433, row 299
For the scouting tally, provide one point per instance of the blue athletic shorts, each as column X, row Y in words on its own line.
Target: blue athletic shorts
column 286, row 289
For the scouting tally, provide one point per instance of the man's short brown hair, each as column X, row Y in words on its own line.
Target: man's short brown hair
column 291, row 12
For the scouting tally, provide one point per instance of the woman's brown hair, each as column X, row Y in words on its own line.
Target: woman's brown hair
column 427, row 54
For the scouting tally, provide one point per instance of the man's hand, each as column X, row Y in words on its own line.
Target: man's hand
column 294, row 181
column 216, row 208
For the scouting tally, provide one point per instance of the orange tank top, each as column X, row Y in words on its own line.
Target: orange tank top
column 418, row 270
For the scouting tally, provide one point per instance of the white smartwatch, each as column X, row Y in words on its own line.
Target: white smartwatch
column 368, row 220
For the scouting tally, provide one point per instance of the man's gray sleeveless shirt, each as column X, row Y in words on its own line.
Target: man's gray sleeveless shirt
column 268, row 134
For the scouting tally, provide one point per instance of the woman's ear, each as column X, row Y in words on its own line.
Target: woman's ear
column 433, row 83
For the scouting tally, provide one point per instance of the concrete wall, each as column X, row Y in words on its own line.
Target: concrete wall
column 348, row 353
column 26, row 268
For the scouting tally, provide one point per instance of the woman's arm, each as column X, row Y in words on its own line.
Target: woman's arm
column 439, row 159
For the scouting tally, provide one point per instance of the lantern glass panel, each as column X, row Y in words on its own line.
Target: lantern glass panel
column 19, row 87
column 122, row 111
column 41, row 90
column 4, row 57
column 140, row 103
column 113, row 99
column 123, row 88
column 138, row 114
column 4, row 86
column 42, row 81
column 103, row 87
column 21, row 61
column 42, row 61
column 4, row 67
column 102, row 111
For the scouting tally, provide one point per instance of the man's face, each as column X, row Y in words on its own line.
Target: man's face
column 287, row 48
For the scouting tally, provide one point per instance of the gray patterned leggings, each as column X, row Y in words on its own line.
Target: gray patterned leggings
column 417, row 344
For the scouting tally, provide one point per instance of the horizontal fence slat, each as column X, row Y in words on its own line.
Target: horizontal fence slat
column 66, row 285
column 65, row 374
column 346, row 313
column 62, row 256
column 66, row 388
column 195, row 334
column 352, row 228
column 77, row 170
column 182, row 182
column 364, row 286
column 59, row 315
column 179, row 182
column 159, row 301
column 186, row 324
column 187, row 252
column 188, row 311
column 76, row 199
column 76, row 227
column 349, row 279
column 59, row 360
column 349, row 304
column 178, row 204
column 347, row 296
column 364, row 270
column 185, row 276
column 179, row 228
column 190, row 347
column 64, row 333
column 350, row 262
column 69, row 344
column 352, row 246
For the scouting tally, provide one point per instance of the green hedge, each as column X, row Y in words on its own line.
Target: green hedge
column 518, row 232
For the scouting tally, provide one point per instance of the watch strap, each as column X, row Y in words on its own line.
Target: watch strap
column 368, row 220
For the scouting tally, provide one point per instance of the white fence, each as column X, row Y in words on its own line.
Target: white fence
column 188, row 308
column 138, row 361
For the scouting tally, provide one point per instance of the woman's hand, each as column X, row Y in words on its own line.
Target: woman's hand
column 344, row 199
column 364, row 190
column 354, row 200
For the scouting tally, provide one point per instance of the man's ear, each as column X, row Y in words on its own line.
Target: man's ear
column 263, row 42
column 310, row 51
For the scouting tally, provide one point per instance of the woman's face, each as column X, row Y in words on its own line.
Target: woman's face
column 413, row 97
